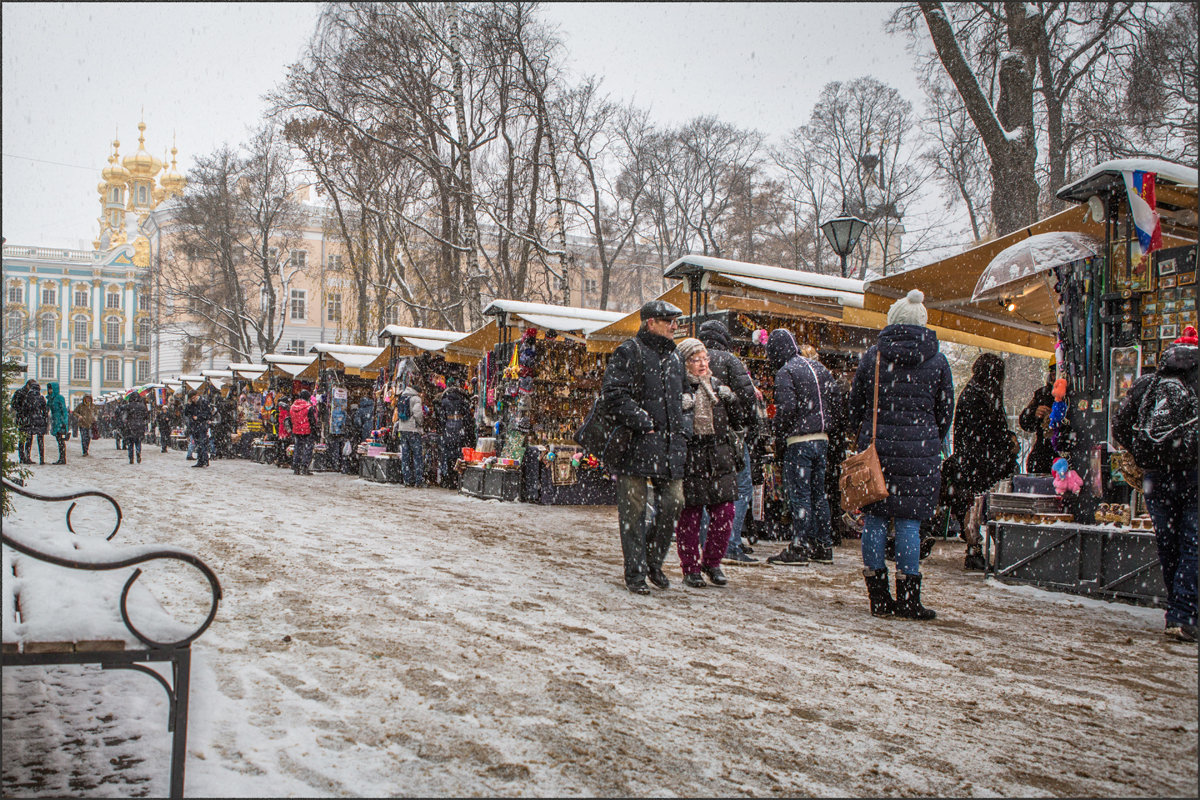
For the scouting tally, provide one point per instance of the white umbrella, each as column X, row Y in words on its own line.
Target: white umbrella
column 1021, row 268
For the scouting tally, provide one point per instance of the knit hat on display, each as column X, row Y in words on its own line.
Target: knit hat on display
column 909, row 310
column 1189, row 336
column 689, row 347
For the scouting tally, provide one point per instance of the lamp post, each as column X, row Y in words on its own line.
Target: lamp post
column 842, row 232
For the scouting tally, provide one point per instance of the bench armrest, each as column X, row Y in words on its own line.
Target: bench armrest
column 12, row 487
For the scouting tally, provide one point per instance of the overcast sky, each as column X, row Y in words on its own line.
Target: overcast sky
column 73, row 74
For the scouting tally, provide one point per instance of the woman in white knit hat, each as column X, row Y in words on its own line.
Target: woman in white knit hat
column 916, row 407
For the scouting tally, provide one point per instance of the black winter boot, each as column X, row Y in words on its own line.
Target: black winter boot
column 908, row 598
column 879, row 593
column 973, row 562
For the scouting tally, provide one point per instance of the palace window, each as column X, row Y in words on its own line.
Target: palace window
column 81, row 296
column 296, row 347
column 79, row 369
column 49, row 294
column 14, row 325
column 49, row 329
column 297, row 310
column 333, row 305
column 112, row 299
column 299, row 259
column 142, row 195
column 589, row 285
column 143, row 371
column 15, row 295
column 81, row 329
column 112, row 370
column 112, row 331
column 335, row 262
column 48, row 367
column 143, row 332
column 143, row 299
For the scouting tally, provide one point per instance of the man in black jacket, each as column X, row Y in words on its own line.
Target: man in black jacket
column 20, row 407
column 729, row 370
column 643, row 394
column 1170, row 473
column 199, row 414
column 808, row 402
column 1035, row 419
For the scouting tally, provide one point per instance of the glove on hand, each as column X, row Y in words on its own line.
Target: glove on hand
column 689, row 401
column 725, row 393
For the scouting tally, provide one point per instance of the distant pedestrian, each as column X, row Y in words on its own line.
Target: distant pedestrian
column 458, row 430
column 409, row 419
column 283, row 431
column 808, row 403
column 165, row 421
column 642, row 393
column 199, row 414
column 303, row 415
column 21, row 404
column 60, row 425
column 137, row 417
column 916, row 406
column 710, row 471
column 85, row 412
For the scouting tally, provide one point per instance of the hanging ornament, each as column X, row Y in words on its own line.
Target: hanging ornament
column 513, row 370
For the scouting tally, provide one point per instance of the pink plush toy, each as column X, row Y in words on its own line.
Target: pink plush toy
column 759, row 337
column 1066, row 480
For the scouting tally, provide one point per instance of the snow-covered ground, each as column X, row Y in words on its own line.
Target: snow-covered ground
column 380, row 641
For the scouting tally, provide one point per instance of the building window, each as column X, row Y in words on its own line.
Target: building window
column 142, row 195
column 49, row 329
column 560, row 284
column 589, row 285
column 79, row 369
column 143, row 371
column 114, row 195
column 392, row 315
column 112, row 331
column 297, row 310
column 81, row 296
column 299, row 259
column 14, row 325
column 296, row 347
column 273, row 254
column 333, row 308
column 195, row 298
column 15, row 294
column 112, row 300
column 48, row 367
column 143, row 300
column 335, row 262
column 143, row 332
column 49, row 295
column 81, row 330
column 112, row 370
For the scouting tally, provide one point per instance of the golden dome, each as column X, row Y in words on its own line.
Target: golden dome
column 172, row 181
column 115, row 174
column 141, row 164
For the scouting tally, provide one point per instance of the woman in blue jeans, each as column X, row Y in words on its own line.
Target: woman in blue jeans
column 916, row 408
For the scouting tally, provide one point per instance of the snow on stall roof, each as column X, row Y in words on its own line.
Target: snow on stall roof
column 852, row 299
column 339, row 349
column 523, row 309
column 288, row 358
column 679, row 268
column 435, row 334
column 1176, row 173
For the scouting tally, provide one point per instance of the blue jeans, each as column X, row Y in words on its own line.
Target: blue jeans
column 1171, row 500
column 85, row 438
column 412, row 461
column 741, row 505
column 134, row 445
column 804, row 476
column 908, row 544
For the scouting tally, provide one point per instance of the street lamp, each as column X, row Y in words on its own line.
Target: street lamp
column 842, row 232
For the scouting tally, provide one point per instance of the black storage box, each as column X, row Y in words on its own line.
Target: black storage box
column 492, row 484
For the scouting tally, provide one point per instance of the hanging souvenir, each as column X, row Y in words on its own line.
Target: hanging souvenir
column 513, row 371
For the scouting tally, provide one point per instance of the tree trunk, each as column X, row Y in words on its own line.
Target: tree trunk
column 467, row 194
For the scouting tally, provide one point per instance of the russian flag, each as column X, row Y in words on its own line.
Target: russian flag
column 1139, row 188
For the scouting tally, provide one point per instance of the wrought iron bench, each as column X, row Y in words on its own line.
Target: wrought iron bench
column 64, row 602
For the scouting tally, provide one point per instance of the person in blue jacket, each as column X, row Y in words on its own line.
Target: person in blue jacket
column 916, row 408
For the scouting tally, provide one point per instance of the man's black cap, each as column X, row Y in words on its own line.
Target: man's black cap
column 660, row 309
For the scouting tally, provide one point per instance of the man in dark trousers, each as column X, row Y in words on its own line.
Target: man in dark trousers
column 729, row 370
column 20, row 407
column 642, row 394
column 303, row 416
column 199, row 414
column 808, row 407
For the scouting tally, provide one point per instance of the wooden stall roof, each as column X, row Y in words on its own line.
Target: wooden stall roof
column 249, row 372
column 361, row 360
column 287, row 365
column 606, row 339
column 405, row 341
column 474, row 345
column 569, row 321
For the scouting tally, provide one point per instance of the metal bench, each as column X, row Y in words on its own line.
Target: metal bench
column 45, row 571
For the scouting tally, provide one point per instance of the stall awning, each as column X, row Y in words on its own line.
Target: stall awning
column 429, row 339
column 192, row 382
column 606, row 339
column 475, row 345
column 567, row 319
column 352, row 359
column 250, row 372
column 287, row 365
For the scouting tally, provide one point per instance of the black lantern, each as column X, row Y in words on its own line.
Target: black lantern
column 843, row 232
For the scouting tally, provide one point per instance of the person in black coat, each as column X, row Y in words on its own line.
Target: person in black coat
column 35, row 421
column 916, row 406
column 19, row 402
column 458, row 430
column 137, row 416
column 710, row 472
column 1035, row 419
column 1170, row 478
column 808, row 403
column 729, row 371
column 200, row 413
column 984, row 448
column 642, row 393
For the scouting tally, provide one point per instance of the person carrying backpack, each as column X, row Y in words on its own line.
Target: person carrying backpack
column 1157, row 423
column 410, row 414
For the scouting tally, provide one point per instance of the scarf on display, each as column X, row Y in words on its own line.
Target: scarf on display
column 702, row 411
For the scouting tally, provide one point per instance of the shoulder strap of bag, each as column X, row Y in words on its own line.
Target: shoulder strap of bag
column 875, row 407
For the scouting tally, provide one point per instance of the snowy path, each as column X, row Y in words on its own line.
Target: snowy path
column 379, row 641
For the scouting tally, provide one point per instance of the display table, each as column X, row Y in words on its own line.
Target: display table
column 589, row 487
column 1107, row 561
column 491, row 484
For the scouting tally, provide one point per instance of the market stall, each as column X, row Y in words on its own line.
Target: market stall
column 1107, row 314
column 535, row 383
column 343, row 375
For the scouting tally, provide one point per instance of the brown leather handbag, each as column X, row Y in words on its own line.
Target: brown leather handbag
column 862, row 480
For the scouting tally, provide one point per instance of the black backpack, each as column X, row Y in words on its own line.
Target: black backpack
column 1165, row 432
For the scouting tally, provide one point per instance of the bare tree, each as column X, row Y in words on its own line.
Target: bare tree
column 957, row 156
